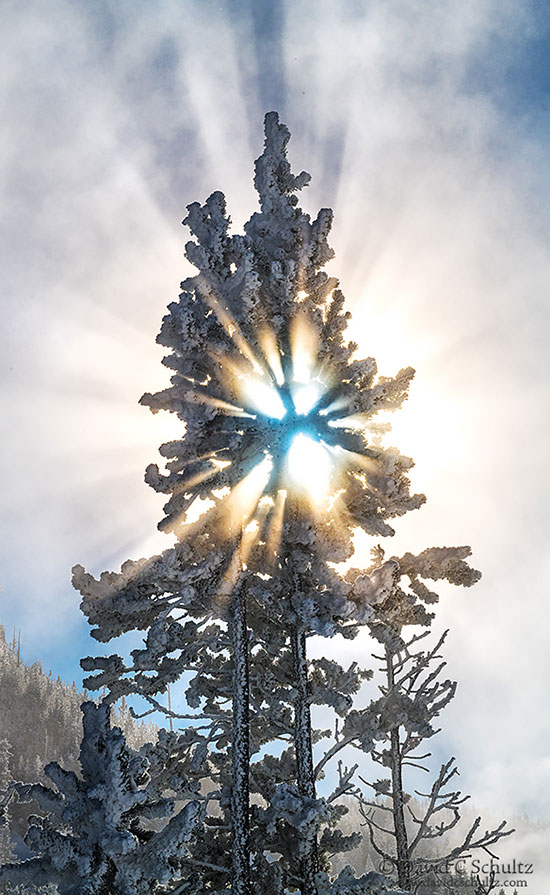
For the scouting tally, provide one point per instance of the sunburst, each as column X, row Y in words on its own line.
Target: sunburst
column 278, row 412
column 305, row 439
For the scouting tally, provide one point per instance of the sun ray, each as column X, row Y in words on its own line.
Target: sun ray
column 230, row 577
column 252, row 533
column 255, row 390
column 263, row 398
column 233, row 330
column 198, row 478
column 339, row 404
column 268, row 343
column 219, row 403
column 243, row 499
column 275, row 529
column 304, row 349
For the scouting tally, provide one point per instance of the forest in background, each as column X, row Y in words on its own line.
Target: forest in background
column 41, row 721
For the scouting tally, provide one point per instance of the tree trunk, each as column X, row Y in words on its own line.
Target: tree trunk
column 398, row 803
column 240, row 757
column 304, row 751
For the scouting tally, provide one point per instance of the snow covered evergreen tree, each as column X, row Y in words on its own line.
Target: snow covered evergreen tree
column 94, row 835
column 262, row 376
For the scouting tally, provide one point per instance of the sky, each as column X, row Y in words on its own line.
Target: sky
column 424, row 126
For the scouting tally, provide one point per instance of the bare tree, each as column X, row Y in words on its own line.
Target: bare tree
column 413, row 695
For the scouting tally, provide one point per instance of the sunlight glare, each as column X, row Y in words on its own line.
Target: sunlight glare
column 264, row 398
column 268, row 343
column 305, row 396
column 244, row 497
column 309, row 466
column 304, row 349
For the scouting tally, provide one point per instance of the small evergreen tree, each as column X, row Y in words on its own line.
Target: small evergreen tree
column 93, row 837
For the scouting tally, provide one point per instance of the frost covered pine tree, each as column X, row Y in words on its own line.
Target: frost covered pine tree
column 262, row 378
column 94, row 835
